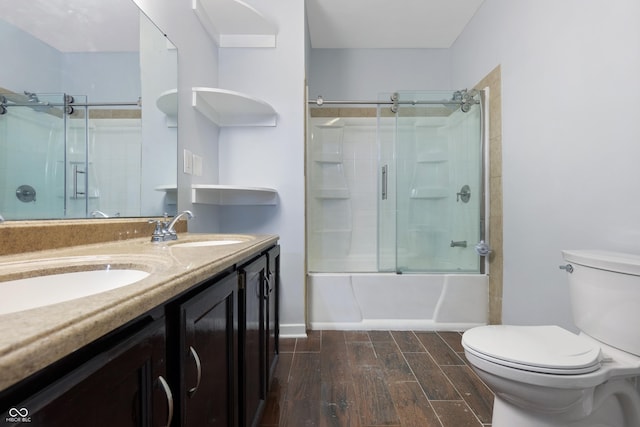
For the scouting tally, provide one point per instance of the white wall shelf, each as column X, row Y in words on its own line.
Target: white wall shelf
column 172, row 193
column 229, row 108
column 233, row 195
column 167, row 102
column 233, row 23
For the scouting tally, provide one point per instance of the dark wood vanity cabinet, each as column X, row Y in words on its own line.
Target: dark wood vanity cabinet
column 273, row 310
column 258, row 282
column 253, row 283
column 202, row 359
column 227, row 342
column 206, row 372
column 124, row 385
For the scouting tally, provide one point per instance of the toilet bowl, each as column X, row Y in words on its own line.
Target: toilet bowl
column 546, row 376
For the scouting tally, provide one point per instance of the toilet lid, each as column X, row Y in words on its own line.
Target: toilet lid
column 545, row 349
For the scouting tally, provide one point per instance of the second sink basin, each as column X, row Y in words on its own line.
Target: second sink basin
column 196, row 240
column 207, row 243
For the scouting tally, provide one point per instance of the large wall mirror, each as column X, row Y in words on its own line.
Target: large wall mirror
column 88, row 111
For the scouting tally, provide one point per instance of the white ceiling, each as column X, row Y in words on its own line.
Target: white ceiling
column 112, row 25
column 388, row 23
column 77, row 25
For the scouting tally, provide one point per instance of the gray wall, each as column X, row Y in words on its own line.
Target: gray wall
column 570, row 137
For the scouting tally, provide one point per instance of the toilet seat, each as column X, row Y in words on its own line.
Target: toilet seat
column 541, row 349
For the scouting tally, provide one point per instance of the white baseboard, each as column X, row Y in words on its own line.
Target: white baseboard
column 296, row 330
column 393, row 325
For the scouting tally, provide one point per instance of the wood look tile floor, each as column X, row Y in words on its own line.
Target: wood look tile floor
column 376, row 378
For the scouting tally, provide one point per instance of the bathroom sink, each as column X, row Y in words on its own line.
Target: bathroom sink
column 207, row 243
column 196, row 240
column 50, row 284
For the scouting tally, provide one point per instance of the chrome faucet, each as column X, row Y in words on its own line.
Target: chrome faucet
column 169, row 228
column 164, row 230
column 99, row 214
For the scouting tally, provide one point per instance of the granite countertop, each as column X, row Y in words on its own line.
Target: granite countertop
column 33, row 339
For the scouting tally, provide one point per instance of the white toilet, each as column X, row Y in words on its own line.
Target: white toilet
column 545, row 376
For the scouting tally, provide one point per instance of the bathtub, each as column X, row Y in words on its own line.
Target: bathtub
column 389, row 301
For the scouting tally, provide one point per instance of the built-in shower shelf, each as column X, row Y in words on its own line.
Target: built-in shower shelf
column 332, row 126
column 229, row 108
column 167, row 102
column 215, row 194
column 435, row 157
column 429, row 193
column 328, row 157
column 234, row 23
column 331, row 193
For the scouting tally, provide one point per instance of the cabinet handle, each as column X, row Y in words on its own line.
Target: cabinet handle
column 267, row 280
column 195, row 356
column 167, row 392
column 270, row 282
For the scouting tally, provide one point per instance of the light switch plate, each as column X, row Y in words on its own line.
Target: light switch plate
column 197, row 165
column 188, row 162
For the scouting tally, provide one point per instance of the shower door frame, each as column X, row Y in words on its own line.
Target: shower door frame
column 480, row 192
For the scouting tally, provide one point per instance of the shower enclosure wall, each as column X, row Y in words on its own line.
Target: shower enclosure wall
column 391, row 193
column 59, row 158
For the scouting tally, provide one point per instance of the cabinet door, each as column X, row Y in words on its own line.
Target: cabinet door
column 253, row 343
column 273, row 320
column 124, row 386
column 208, row 356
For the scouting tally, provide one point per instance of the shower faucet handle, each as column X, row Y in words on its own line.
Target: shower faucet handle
column 464, row 194
column 483, row 248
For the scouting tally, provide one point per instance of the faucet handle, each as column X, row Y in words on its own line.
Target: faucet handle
column 166, row 220
column 158, row 232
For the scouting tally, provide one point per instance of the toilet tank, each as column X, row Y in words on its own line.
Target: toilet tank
column 605, row 296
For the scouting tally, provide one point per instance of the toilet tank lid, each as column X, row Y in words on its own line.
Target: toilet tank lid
column 605, row 260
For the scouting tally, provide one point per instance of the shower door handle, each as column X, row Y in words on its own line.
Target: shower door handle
column 383, row 187
column 76, row 192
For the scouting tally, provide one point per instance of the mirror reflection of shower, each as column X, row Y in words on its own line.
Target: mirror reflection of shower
column 66, row 150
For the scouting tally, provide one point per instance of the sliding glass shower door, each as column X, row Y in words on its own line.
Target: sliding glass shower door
column 32, row 154
column 430, row 185
column 46, row 170
column 62, row 157
column 396, row 186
